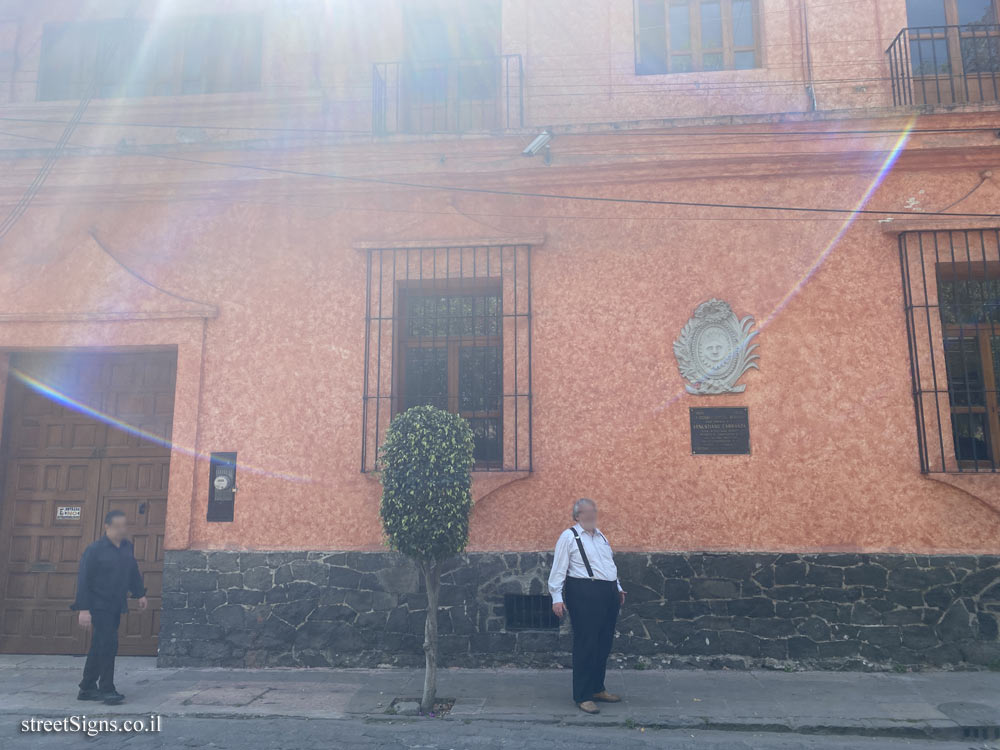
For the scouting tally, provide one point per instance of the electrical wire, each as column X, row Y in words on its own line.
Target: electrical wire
column 679, row 131
column 536, row 216
column 556, row 196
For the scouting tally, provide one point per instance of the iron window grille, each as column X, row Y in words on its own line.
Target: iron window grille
column 951, row 293
column 529, row 612
column 451, row 327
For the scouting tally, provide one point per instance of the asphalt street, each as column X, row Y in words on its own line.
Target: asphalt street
column 432, row 734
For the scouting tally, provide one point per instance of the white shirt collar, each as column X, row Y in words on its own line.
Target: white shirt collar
column 580, row 528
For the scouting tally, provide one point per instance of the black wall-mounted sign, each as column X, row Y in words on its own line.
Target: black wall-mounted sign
column 222, row 487
column 720, row 430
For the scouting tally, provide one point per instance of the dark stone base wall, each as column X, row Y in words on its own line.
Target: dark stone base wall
column 820, row 611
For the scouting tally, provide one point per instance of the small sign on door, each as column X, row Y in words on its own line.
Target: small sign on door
column 68, row 512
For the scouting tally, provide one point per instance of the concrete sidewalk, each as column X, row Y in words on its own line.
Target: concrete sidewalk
column 938, row 705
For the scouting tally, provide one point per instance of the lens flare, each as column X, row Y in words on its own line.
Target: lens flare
column 68, row 401
column 825, row 253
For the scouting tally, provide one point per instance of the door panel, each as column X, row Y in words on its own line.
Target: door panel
column 43, row 426
column 38, row 571
column 140, row 401
column 91, row 405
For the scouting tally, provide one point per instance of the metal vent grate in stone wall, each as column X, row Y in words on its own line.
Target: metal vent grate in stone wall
column 529, row 612
column 981, row 733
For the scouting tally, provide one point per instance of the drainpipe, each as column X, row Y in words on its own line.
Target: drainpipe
column 810, row 87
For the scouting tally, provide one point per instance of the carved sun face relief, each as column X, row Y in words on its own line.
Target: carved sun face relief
column 714, row 349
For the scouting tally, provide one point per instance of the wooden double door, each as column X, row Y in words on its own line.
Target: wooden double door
column 84, row 433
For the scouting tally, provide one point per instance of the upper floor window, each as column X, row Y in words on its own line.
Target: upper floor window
column 453, row 77
column 949, row 12
column 948, row 54
column 681, row 36
column 451, row 29
column 451, row 50
column 135, row 58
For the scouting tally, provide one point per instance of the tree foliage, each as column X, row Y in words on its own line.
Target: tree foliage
column 425, row 464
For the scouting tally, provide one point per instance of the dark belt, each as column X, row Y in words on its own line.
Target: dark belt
column 598, row 580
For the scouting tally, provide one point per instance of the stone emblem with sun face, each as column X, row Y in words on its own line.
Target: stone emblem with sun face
column 714, row 349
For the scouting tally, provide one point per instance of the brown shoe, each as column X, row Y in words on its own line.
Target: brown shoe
column 589, row 706
column 607, row 697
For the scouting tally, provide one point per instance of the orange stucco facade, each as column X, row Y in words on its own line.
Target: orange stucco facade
column 220, row 226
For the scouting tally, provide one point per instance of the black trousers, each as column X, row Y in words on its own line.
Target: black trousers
column 593, row 610
column 99, row 671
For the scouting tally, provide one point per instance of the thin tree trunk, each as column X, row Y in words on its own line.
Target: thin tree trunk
column 432, row 577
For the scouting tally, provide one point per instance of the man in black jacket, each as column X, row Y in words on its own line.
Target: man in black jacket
column 108, row 573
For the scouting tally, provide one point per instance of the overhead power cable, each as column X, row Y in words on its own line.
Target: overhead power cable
column 558, row 196
column 679, row 131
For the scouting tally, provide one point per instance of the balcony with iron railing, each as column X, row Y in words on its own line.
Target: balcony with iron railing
column 945, row 65
column 448, row 96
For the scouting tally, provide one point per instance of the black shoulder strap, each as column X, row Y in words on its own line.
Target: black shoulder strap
column 579, row 543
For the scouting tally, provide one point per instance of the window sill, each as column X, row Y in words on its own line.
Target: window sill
column 169, row 104
column 146, row 98
column 897, row 225
column 674, row 74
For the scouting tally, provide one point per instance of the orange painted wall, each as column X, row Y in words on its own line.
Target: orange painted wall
column 272, row 348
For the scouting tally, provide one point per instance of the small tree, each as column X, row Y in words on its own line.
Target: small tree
column 425, row 466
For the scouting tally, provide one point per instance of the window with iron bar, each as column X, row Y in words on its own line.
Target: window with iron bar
column 451, row 327
column 529, row 612
column 951, row 290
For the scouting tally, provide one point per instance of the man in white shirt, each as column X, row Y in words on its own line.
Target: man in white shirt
column 593, row 597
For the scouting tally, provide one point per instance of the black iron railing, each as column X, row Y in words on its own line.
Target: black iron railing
column 945, row 64
column 448, row 96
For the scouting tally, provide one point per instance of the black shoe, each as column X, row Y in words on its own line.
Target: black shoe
column 111, row 697
column 89, row 694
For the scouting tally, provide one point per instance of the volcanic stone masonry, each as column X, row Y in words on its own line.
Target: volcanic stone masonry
column 364, row 609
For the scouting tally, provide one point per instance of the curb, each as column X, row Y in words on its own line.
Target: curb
column 931, row 729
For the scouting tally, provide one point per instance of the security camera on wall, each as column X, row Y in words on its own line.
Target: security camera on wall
column 541, row 141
